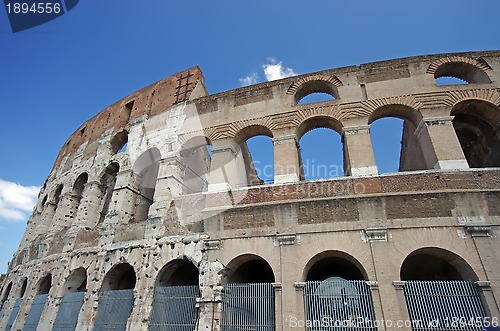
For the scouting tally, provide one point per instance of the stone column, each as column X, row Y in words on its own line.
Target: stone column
column 487, row 250
column 227, row 168
column 89, row 210
column 440, row 144
column 65, row 212
column 300, row 315
column 278, row 306
column 286, row 159
column 377, row 304
column 210, row 303
column 122, row 205
column 359, row 159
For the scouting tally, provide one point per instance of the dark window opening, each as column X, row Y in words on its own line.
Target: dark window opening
column 119, row 142
column 253, row 271
column 334, row 266
column 120, row 277
column 178, row 273
column 45, row 285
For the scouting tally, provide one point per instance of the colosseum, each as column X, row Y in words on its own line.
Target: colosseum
column 153, row 216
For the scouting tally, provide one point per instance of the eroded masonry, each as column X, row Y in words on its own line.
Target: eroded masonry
column 154, row 216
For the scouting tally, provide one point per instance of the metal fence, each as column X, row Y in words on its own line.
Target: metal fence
column 69, row 309
column 338, row 304
column 114, row 310
column 444, row 305
column 35, row 312
column 174, row 308
column 248, row 307
column 14, row 313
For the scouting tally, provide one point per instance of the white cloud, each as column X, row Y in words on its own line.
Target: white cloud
column 249, row 80
column 274, row 70
column 16, row 201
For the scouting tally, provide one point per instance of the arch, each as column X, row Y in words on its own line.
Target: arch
column 475, row 123
column 400, row 111
column 45, row 284
column 77, row 281
column 24, row 285
column 312, row 84
column 249, row 268
column 178, row 272
column 318, row 121
column 473, row 71
column 79, row 185
column 6, row 293
column 251, row 131
column 108, row 181
column 433, row 263
column 57, row 194
column 255, row 153
column 145, row 172
column 120, row 277
column 333, row 264
column 119, row 141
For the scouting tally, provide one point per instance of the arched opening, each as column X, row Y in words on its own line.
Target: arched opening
column 17, row 304
column 45, row 285
column 444, row 81
column 196, row 156
column 117, row 298
column 77, row 193
column 57, row 196
column 395, row 145
column 108, row 182
column 120, row 277
column 436, row 264
column 336, row 288
column 321, row 148
column 463, row 71
column 316, row 87
column 119, row 142
column 439, row 284
column 178, row 273
column 145, row 174
column 5, row 296
column 72, row 301
column 23, row 287
column 38, row 304
column 262, row 159
column 474, row 123
column 176, row 290
column 386, row 135
column 257, row 154
column 316, row 97
column 249, row 297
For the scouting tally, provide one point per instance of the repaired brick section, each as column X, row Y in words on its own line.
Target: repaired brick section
column 419, row 206
column 329, row 211
column 245, row 218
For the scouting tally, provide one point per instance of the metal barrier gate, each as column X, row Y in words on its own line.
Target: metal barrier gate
column 69, row 309
column 35, row 312
column 444, row 305
column 338, row 304
column 174, row 308
column 114, row 310
column 248, row 307
column 14, row 313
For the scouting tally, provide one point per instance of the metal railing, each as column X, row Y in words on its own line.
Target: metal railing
column 69, row 309
column 444, row 305
column 114, row 310
column 35, row 312
column 338, row 304
column 174, row 308
column 248, row 307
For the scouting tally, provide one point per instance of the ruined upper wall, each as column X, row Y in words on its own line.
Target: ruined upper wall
column 150, row 100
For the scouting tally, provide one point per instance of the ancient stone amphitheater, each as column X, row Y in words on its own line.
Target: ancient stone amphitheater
column 153, row 216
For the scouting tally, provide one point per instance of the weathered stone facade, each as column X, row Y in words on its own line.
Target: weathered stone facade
column 165, row 200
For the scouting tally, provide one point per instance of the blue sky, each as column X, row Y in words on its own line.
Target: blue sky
column 57, row 75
